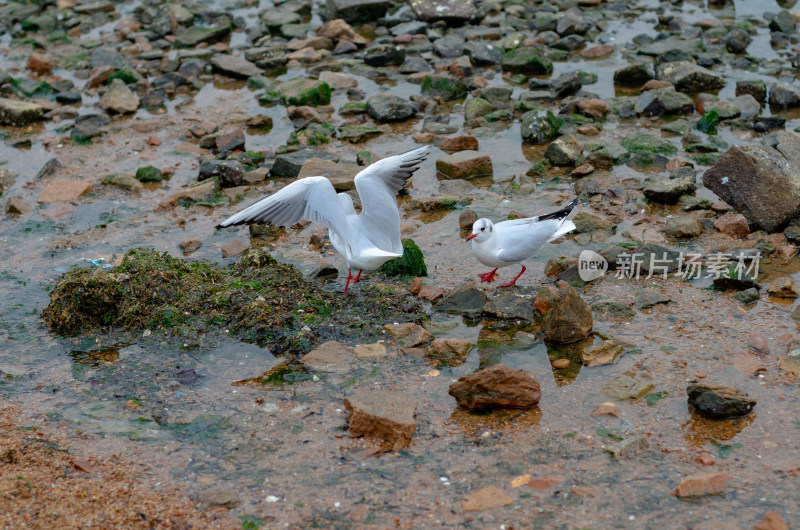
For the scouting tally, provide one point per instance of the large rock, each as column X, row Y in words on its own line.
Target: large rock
column 567, row 317
column 64, row 190
column 388, row 107
column 119, row 98
column 234, row 66
column 340, row 174
column 384, row 415
column 719, row 402
column 759, row 182
column 19, row 113
column 689, row 77
column 784, row 95
column 496, row 387
column 527, row 60
column 466, row 299
column 452, row 11
column 465, row 165
column 445, row 87
column 664, row 101
column 289, row 165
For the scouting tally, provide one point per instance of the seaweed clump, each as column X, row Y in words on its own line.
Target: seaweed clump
column 411, row 263
column 258, row 299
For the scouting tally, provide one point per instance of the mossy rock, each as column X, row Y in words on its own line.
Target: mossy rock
column 527, row 60
column 447, row 88
column 353, row 108
column 358, row 133
column 643, row 142
column 149, row 174
column 412, row 263
column 257, row 299
column 124, row 74
column 301, row 91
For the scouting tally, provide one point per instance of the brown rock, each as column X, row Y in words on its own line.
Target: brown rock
column 655, row 84
column 234, row 248
column 459, row 143
column 206, row 190
column 496, row 387
column 606, row 409
column 783, row 287
column 338, row 30
column 771, row 521
column 99, row 75
column 733, row 224
column 583, row 170
column 332, row 356
column 408, row 334
column 592, row 107
column 630, row 446
column 256, row 175
column 569, row 317
column 705, row 459
column 63, row 190
column 16, row 206
column 190, row 245
column 597, row 51
column 466, row 219
column 588, row 130
column 790, row 364
column 452, row 352
column 431, row 293
column 748, row 364
column 376, row 350
column 341, row 174
column 702, row 484
column 465, row 165
column 217, row 496
column 485, row 499
column 41, row 63
column 560, row 364
column 599, row 354
column 546, row 482
column 384, row 415
column 119, row 98
column 415, row 285
column 758, row 342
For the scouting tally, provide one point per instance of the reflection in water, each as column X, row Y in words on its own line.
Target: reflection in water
column 699, row 430
column 483, row 424
column 98, row 356
column 565, row 373
column 496, row 339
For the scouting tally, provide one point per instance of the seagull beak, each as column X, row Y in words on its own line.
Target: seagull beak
column 471, row 236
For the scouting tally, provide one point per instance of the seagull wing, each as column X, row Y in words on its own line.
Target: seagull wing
column 521, row 238
column 311, row 198
column 377, row 186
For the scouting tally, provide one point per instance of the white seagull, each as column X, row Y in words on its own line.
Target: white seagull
column 365, row 240
column 509, row 242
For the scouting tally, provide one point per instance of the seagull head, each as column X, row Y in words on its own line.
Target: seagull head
column 481, row 230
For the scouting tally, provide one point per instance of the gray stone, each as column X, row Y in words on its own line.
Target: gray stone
column 476, row 107
column 527, row 60
column 649, row 297
column 19, row 113
column 229, row 172
column 784, row 95
column 719, row 402
column 357, row 11
column 103, row 56
column 119, row 98
column 388, row 107
column 452, row 11
column 783, row 22
column 626, row 387
column 195, row 35
column 664, row 101
column 737, row 41
column 234, row 66
column 634, row 74
column 754, row 87
column 466, row 299
column 563, row 153
column 668, row 190
column 384, row 55
column 538, row 126
column 482, row 53
column 288, row 165
column 512, row 303
column 748, row 296
column 689, row 77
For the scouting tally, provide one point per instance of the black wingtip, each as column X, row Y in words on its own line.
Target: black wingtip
column 562, row 213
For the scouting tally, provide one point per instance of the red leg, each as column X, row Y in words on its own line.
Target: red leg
column 514, row 281
column 349, row 277
column 358, row 278
column 487, row 276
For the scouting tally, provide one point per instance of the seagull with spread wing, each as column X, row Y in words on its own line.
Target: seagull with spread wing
column 509, row 242
column 365, row 240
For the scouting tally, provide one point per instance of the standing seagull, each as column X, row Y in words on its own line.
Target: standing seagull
column 503, row 244
column 365, row 240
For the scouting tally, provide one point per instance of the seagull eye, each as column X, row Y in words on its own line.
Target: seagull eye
column 482, row 229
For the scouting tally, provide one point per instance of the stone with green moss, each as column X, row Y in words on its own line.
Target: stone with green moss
column 123, row 74
column 149, row 174
column 527, row 60
column 539, row 126
column 445, row 87
column 302, row 91
column 412, row 263
column 358, row 133
column 642, row 142
column 352, row 108
column 195, row 35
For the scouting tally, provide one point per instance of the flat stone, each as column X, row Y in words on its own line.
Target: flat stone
column 485, row 499
column 451, row 352
column 465, row 165
column 388, row 107
column 63, row 190
column 496, row 387
column 234, row 66
column 384, row 415
column 337, row 80
column 626, row 387
column 356, row 11
column 331, row 357
column 702, row 484
column 376, row 350
column 668, row 190
column 19, row 113
column 466, row 299
column 234, row 248
column 601, row 354
column 454, row 11
column 341, row 174
column 408, row 334
column 686, row 76
column 719, row 402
